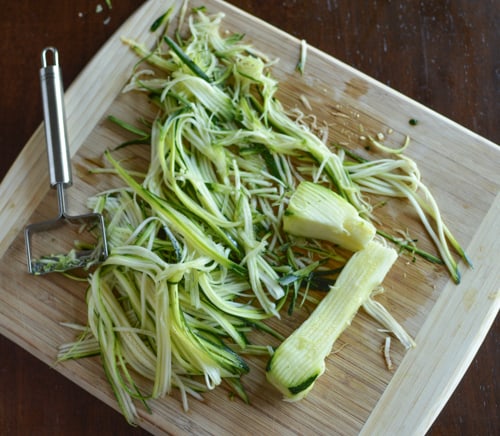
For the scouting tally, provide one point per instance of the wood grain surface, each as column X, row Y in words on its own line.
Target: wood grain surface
column 441, row 54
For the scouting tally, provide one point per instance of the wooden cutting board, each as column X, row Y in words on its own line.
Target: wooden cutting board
column 357, row 393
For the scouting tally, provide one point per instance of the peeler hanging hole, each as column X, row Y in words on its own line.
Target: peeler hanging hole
column 54, row 54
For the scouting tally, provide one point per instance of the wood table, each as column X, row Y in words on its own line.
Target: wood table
column 442, row 54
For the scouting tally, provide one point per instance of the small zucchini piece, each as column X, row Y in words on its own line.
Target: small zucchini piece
column 314, row 211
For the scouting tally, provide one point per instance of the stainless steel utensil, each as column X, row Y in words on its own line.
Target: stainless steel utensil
column 80, row 254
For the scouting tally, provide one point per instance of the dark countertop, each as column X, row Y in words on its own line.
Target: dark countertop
column 444, row 54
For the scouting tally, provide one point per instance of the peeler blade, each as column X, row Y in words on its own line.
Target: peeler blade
column 72, row 241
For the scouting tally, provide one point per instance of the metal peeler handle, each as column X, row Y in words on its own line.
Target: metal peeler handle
column 55, row 120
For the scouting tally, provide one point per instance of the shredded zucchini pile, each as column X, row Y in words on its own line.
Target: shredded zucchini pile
column 198, row 254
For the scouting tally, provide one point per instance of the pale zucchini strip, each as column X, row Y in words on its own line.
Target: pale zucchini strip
column 378, row 312
column 401, row 178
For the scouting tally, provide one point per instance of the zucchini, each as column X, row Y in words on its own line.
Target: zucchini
column 317, row 212
column 300, row 359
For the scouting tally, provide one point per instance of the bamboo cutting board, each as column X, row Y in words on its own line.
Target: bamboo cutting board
column 357, row 393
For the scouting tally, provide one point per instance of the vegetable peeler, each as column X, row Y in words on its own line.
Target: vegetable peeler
column 38, row 236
